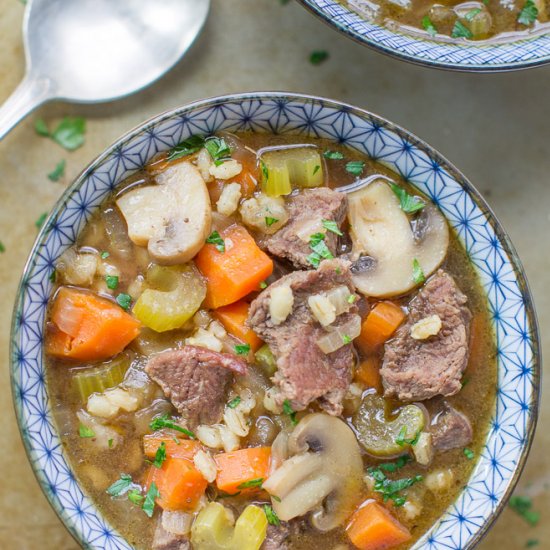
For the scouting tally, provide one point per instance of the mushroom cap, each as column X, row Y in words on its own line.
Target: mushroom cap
column 382, row 231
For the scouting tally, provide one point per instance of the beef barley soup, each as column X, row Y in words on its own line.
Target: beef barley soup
column 246, row 351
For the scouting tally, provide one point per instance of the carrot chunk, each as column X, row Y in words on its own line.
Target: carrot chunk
column 87, row 327
column 175, row 447
column 235, row 272
column 179, row 483
column 233, row 318
column 379, row 325
column 372, row 527
column 243, row 470
column 368, row 373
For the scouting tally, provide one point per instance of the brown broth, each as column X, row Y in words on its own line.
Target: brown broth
column 96, row 470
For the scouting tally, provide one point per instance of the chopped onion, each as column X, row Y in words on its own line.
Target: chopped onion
column 340, row 336
column 308, row 228
column 177, row 523
column 339, row 298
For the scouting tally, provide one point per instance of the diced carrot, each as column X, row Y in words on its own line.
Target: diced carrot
column 381, row 322
column 179, row 483
column 87, row 327
column 239, row 468
column 233, row 318
column 368, row 373
column 232, row 274
column 372, row 527
column 175, row 447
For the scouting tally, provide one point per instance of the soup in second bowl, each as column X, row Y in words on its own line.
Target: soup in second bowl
column 250, row 348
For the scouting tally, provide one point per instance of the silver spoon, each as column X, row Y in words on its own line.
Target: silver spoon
column 87, row 51
column 359, row 184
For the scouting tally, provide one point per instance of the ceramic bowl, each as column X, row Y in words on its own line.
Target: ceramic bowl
column 522, row 53
column 502, row 277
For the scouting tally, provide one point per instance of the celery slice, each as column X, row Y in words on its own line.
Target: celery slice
column 264, row 357
column 98, row 379
column 174, row 296
column 285, row 168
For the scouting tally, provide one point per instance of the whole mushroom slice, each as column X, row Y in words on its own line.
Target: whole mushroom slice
column 323, row 474
column 172, row 218
column 382, row 231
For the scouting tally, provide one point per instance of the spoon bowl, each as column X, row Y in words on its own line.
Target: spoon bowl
column 88, row 51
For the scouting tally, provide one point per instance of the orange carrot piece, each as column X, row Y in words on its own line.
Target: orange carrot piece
column 182, row 448
column 232, row 274
column 248, row 178
column 179, row 483
column 87, row 327
column 368, row 373
column 372, row 527
column 242, row 467
column 233, row 318
column 380, row 324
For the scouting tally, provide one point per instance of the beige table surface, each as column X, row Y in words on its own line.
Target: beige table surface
column 494, row 127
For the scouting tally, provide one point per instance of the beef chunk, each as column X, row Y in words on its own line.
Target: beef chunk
column 450, row 429
column 195, row 379
column 276, row 538
column 415, row 370
column 307, row 210
column 304, row 372
column 163, row 540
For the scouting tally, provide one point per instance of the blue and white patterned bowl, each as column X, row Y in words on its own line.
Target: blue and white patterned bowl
column 531, row 51
column 513, row 420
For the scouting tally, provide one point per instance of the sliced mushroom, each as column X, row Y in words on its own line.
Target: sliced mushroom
column 323, row 473
column 386, row 437
column 172, row 218
column 382, row 231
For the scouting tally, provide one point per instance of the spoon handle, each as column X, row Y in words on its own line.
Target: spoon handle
column 30, row 93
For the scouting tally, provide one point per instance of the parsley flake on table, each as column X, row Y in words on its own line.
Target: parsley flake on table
column 218, row 148
column 69, row 133
column 217, row 241
column 242, row 349
column 428, row 25
column 164, row 422
column 461, row 31
column 2, row 247
column 41, row 219
column 318, row 56
column 355, row 167
column 528, row 14
column 333, row 155
column 523, row 507
column 187, row 147
column 58, row 171
column 408, row 203
column 417, row 272
column 271, row 516
column 84, row 431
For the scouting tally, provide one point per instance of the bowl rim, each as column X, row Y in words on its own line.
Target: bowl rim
column 485, row 68
column 214, row 101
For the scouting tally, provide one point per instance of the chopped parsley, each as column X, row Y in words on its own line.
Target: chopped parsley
column 418, row 273
column 428, row 25
column 41, row 219
column 110, row 443
column 219, row 149
column 265, row 170
column 290, row 412
column 104, row 255
column 120, row 486
column 316, row 169
column 469, row 454
column 391, row 489
column 531, row 543
column 320, row 249
column 346, row 339
column 251, row 483
column 124, row 300
column 333, row 155
column 332, row 226
column 234, row 402
column 185, row 148
column 84, row 431
column 355, row 167
column 135, row 497
column 111, row 281
column 263, row 285
column 269, row 221
column 523, row 506
column 351, row 299
column 69, row 133
column 272, row 517
column 217, row 241
column 58, row 171
column 2, row 247
column 149, row 502
column 41, row 128
column 163, row 422
column 53, row 276
column 160, row 455
column 394, row 466
column 528, row 14
column 461, row 31
column 275, row 498
column 402, row 439
column 318, row 56
column 471, row 14
column 242, row 349
column 408, row 203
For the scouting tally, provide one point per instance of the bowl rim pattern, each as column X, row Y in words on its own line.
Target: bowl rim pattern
column 48, row 458
column 486, row 57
